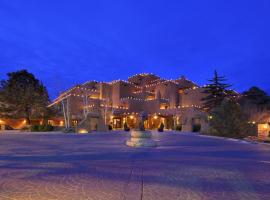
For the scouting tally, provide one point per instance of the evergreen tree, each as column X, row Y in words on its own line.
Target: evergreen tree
column 255, row 96
column 23, row 96
column 255, row 103
column 228, row 120
column 216, row 91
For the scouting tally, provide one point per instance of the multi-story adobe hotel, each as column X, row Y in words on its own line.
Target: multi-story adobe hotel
column 173, row 102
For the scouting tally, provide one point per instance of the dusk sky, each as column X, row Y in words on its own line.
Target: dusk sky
column 68, row 42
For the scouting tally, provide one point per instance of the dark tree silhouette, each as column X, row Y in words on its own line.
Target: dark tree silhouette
column 23, row 96
column 216, row 91
column 228, row 120
column 255, row 103
column 256, row 96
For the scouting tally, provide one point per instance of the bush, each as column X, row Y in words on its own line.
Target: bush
column 7, row 127
column 109, row 127
column 196, row 128
column 126, row 128
column 46, row 128
column 178, row 127
column 26, row 128
column 250, row 130
column 161, row 127
column 41, row 128
column 69, row 130
column 58, row 128
column 34, row 128
column 229, row 120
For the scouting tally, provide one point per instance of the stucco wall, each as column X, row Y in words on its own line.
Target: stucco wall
column 192, row 97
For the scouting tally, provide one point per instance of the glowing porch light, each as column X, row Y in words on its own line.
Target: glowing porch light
column 1, row 121
column 82, row 131
column 155, row 117
column 61, row 123
column 131, row 117
column 24, row 121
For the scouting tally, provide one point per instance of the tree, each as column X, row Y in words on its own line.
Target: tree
column 23, row 96
column 228, row 120
column 256, row 103
column 216, row 91
column 256, row 96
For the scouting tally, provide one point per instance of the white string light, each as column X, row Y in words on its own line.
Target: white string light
column 78, row 89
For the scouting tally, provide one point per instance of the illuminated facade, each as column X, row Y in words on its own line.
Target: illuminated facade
column 172, row 102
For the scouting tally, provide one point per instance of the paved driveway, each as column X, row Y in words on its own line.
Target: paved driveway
column 100, row 166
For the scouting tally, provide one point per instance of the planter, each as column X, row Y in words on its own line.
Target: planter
column 141, row 139
column 141, row 134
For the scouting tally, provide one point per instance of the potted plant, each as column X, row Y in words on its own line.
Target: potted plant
column 126, row 128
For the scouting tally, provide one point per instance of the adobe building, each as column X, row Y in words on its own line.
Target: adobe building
column 172, row 102
column 176, row 103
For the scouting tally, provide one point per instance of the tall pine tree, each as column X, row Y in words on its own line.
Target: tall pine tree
column 216, row 91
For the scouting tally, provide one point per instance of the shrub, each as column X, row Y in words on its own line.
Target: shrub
column 58, row 128
column 69, row 130
column 161, row 127
column 196, row 128
column 178, row 127
column 126, row 128
column 229, row 120
column 34, row 128
column 47, row 127
column 7, row 127
column 110, row 127
column 26, row 128
column 250, row 130
column 41, row 128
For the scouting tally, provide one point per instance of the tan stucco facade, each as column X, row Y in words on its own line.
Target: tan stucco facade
column 172, row 102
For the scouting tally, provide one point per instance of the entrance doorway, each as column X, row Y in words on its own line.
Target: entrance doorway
column 117, row 123
column 196, row 124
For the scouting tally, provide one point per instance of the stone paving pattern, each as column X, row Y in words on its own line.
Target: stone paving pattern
column 102, row 167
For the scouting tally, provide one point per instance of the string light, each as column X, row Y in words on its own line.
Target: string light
column 82, row 91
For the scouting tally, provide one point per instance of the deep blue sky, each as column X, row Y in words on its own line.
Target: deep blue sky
column 67, row 42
